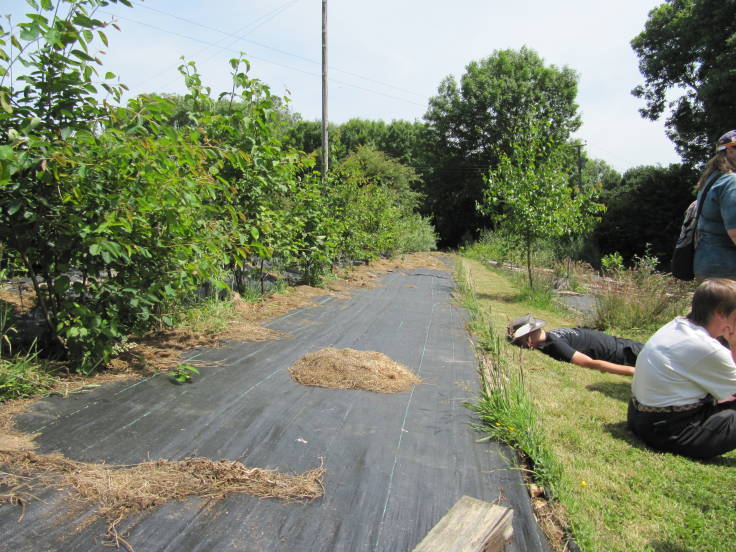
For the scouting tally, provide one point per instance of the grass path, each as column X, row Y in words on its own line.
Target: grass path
column 619, row 495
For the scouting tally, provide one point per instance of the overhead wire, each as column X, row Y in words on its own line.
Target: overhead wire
column 249, row 28
column 284, row 52
column 251, row 56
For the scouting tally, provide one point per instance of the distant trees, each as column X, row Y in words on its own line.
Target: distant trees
column 472, row 122
column 644, row 211
column 401, row 140
column 688, row 49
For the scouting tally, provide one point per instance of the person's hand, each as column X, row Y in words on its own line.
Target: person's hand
column 729, row 330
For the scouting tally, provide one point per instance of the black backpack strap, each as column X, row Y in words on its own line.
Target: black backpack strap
column 711, row 179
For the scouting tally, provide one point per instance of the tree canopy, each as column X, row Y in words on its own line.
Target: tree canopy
column 688, row 48
column 473, row 121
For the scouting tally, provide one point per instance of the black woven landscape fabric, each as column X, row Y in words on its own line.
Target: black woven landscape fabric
column 395, row 464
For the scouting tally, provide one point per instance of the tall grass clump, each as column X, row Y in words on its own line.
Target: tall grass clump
column 22, row 376
column 504, row 409
column 640, row 299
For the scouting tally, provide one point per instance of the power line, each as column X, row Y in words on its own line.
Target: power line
column 284, row 52
column 262, row 45
column 255, row 24
column 291, row 68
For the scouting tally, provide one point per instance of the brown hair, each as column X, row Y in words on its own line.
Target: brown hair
column 719, row 162
column 715, row 295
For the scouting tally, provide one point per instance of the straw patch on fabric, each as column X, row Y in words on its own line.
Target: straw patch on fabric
column 351, row 369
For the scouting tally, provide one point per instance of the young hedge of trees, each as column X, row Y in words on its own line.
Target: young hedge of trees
column 117, row 214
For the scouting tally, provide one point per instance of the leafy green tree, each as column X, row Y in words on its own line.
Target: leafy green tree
column 688, row 49
column 535, row 191
column 378, row 168
column 473, row 122
column 598, row 173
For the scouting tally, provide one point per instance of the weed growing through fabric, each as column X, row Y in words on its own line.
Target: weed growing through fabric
column 183, row 373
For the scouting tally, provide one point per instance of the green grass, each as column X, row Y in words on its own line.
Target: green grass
column 640, row 302
column 208, row 316
column 23, row 375
column 618, row 495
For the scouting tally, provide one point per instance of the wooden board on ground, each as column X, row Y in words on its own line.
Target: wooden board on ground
column 471, row 525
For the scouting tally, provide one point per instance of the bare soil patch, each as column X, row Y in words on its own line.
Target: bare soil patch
column 351, row 369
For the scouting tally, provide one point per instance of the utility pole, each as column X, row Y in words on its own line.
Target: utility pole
column 579, row 146
column 325, row 143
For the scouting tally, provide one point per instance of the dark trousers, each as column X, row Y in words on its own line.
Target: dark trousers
column 702, row 432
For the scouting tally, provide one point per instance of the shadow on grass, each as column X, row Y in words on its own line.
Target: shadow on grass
column 664, row 546
column 621, row 391
column 500, row 298
column 622, row 432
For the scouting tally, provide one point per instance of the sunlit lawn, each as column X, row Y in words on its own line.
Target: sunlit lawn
column 618, row 494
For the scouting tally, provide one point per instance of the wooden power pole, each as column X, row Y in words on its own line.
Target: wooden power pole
column 325, row 143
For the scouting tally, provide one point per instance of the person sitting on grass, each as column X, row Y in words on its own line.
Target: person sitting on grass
column 684, row 389
column 580, row 346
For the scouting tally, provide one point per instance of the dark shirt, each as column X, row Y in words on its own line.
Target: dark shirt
column 562, row 343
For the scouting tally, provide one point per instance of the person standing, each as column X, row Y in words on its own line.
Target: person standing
column 715, row 253
column 685, row 380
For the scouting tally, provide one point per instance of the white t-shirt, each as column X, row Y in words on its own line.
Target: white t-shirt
column 681, row 364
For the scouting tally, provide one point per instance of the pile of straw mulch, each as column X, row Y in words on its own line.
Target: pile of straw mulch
column 351, row 369
column 119, row 491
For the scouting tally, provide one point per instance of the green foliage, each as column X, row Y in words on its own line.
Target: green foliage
column 640, row 300
column 688, row 48
column 120, row 214
column 612, row 262
column 530, row 193
column 183, row 373
column 473, row 122
column 23, row 376
column 645, row 207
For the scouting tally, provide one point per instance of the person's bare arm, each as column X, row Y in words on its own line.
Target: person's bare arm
column 580, row 359
column 732, row 234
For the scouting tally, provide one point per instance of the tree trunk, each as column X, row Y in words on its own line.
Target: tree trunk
column 529, row 261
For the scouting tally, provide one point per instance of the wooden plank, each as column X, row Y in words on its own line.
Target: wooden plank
column 471, row 525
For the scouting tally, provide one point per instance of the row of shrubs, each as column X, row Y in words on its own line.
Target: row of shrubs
column 117, row 214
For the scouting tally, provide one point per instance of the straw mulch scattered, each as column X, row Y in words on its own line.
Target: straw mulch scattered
column 10, row 439
column 366, row 276
column 351, row 369
column 277, row 304
column 162, row 351
column 116, row 492
column 20, row 296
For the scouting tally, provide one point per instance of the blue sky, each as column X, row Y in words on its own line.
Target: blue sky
column 387, row 58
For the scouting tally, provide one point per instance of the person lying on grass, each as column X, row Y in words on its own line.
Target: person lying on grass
column 684, row 389
column 580, row 346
